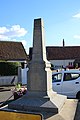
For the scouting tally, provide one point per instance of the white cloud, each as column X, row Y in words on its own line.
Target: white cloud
column 12, row 32
column 17, row 31
column 76, row 36
column 2, row 37
column 3, row 30
column 77, row 15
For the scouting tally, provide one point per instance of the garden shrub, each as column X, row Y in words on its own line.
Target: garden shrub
column 9, row 68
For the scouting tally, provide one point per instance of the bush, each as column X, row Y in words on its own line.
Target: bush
column 9, row 68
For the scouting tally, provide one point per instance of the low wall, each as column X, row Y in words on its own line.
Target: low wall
column 8, row 80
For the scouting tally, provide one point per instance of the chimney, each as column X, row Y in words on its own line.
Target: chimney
column 63, row 43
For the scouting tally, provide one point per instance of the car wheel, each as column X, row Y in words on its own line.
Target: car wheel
column 78, row 95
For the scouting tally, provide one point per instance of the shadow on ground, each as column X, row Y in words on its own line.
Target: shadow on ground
column 77, row 114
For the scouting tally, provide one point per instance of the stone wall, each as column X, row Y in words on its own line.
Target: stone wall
column 8, row 80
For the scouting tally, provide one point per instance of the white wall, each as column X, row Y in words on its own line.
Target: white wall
column 24, row 76
column 61, row 62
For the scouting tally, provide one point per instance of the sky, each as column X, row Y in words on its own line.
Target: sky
column 61, row 21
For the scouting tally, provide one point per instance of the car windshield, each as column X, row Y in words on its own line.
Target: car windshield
column 57, row 77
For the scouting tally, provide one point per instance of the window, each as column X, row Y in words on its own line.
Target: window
column 70, row 63
column 57, row 77
column 67, row 76
column 75, row 75
column 71, row 76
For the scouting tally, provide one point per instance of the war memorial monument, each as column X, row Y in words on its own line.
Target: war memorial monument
column 39, row 97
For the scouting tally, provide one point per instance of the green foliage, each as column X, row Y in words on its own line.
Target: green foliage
column 9, row 68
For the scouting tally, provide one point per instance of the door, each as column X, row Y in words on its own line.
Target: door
column 57, row 82
column 70, row 84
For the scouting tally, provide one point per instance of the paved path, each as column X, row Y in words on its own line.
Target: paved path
column 67, row 112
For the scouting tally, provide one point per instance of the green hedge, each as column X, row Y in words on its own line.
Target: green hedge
column 9, row 68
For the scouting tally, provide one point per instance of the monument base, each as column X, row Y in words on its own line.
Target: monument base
column 39, row 104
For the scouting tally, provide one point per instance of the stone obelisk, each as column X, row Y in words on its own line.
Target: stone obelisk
column 39, row 97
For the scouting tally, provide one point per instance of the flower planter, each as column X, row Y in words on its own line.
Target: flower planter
column 19, row 92
column 16, row 95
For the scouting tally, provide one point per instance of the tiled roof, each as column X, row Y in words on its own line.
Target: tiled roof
column 61, row 53
column 12, row 51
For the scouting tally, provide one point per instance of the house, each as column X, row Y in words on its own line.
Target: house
column 13, row 52
column 67, row 56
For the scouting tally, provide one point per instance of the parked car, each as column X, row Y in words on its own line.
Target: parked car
column 67, row 83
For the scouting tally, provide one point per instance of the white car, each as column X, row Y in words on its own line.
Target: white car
column 67, row 83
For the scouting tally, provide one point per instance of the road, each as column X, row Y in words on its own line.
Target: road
column 5, row 93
